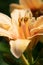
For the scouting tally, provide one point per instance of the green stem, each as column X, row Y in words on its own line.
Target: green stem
column 25, row 61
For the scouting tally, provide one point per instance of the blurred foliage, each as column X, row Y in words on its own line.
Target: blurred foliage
column 4, row 5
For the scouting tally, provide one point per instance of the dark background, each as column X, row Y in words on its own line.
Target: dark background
column 4, row 5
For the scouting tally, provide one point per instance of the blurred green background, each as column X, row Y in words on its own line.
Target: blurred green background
column 4, row 5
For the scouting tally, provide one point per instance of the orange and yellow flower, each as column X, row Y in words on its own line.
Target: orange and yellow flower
column 22, row 29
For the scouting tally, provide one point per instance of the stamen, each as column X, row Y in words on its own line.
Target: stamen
column 25, row 19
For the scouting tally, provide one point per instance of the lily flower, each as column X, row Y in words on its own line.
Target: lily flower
column 22, row 29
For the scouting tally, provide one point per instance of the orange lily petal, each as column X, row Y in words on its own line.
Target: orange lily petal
column 18, row 46
column 5, row 33
column 37, row 3
column 15, row 6
column 38, row 22
column 32, row 4
column 5, row 21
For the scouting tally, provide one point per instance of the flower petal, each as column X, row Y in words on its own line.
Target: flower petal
column 32, row 4
column 5, row 33
column 35, row 2
column 22, row 2
column 18, row 46
column 15, row 6
column 38, row 22
column 35, row 39
column 5, row 21
column 27, row 3
column 38, row 26
column 5, row 25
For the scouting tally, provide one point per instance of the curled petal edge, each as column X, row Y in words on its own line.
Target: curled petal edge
column 18, row 46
